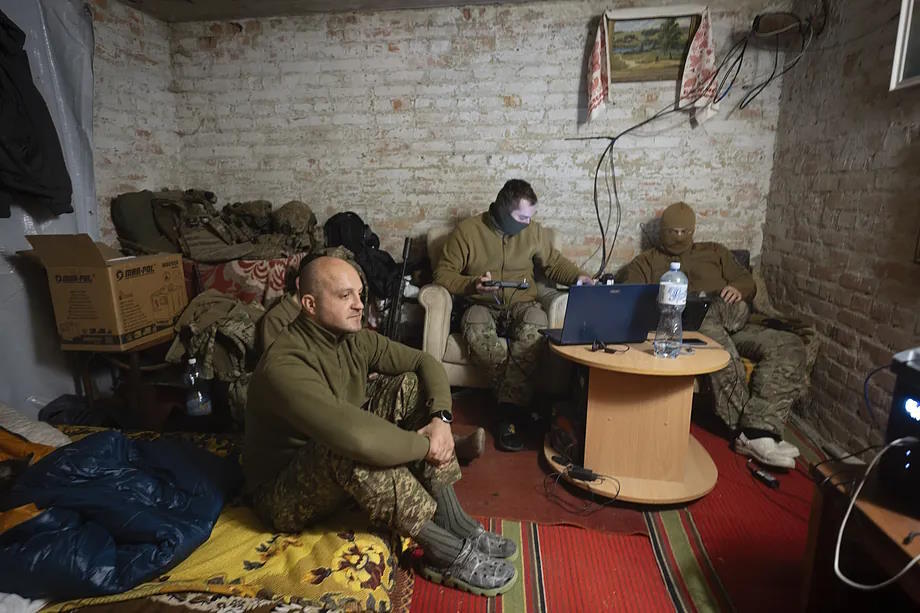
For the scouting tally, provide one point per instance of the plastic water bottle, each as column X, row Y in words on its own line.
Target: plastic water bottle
column 198, row 398
column 672, row 297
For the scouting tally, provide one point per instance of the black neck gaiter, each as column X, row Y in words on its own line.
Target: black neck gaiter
column 505, row 222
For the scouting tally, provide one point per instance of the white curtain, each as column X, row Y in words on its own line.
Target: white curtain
column 59, row 44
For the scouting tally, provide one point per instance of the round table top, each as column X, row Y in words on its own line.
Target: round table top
column 639, row 359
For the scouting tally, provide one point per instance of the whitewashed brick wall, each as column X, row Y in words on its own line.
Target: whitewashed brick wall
column 843, row 213
column 134, row 117
column 416, row 118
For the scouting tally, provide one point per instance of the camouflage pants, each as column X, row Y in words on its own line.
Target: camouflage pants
column 510, row 364
column 319, row 482
column 779, row 371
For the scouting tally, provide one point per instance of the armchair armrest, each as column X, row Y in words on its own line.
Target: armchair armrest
column 436, row 301
column 553, row 302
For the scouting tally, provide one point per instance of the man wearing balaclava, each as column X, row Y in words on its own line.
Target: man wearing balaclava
column 756, row 413
column 501, row 325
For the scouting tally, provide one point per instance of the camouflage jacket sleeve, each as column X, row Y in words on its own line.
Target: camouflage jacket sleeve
column 391, row 358
column 451, row 266
column 556, row 267
column 736, row 275
column 303, row 398
column 637, row 271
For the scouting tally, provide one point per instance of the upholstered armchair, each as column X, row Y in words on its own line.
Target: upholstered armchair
column 449, row 347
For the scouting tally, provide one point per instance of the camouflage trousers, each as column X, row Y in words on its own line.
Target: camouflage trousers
column 318, row 482
column 779, row 369
column 512, row 361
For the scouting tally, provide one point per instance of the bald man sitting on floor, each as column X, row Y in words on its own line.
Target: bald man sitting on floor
column 314, row 441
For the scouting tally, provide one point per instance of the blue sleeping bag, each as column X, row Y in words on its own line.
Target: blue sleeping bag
column 116, row 512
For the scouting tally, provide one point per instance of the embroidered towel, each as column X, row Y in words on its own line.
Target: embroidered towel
column 697, row 84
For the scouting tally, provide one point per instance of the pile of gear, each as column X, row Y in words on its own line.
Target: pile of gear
column 187, row 222
column 219, row 330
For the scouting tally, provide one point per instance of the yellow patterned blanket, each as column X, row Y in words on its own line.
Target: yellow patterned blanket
column 340, row 565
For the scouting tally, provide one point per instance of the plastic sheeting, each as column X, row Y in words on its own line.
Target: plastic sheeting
column 59, row 43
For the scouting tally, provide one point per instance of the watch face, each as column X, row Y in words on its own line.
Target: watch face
column 445, row 416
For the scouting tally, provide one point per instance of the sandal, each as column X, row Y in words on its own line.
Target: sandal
column 474, row 572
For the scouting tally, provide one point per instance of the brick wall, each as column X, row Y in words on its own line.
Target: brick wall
column 416, row 118
column 134, row 117
column 843, row 212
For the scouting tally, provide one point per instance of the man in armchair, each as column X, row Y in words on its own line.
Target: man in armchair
column 501, row 324
column 757, row 415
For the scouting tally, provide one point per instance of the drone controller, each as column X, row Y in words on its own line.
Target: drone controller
column 507, row 284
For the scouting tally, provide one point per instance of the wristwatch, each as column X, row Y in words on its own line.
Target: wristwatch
column 445, row 416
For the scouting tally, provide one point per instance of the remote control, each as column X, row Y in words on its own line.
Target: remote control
column 768, row 479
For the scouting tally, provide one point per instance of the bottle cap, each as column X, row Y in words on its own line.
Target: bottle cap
column 675, row 265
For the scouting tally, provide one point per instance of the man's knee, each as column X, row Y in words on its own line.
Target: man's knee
column 477, row 315
column 775, row 347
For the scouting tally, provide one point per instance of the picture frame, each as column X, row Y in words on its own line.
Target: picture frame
column 905, row 70
column 649, row 44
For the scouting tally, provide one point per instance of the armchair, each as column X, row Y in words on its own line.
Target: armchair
column 450, row 349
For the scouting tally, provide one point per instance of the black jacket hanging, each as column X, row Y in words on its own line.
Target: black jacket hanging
column 32, row 166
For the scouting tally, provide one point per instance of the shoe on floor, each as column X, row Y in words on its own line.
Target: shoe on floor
column 474, row 572
column 494, row 545
column 471, row 446
column 787, row 449
column 507, row 437
column 765, row 450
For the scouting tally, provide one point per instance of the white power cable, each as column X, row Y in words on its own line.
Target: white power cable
column 862, row 586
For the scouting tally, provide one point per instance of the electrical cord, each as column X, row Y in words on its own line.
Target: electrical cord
column 551, row 481
column 844, row 457
column 608, row 151
column 862, row 586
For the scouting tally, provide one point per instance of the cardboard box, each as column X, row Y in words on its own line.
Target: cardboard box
column 104, row 301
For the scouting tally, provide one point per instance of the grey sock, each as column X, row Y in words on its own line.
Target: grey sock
column 451, row 516
column 441, row 547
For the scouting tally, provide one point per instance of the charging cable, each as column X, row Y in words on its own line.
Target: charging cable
column 862, row 586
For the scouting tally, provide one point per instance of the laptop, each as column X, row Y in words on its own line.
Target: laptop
column 617, row 314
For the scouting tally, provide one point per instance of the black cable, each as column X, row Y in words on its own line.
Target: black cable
column 589, row 506
column 844, row 457
column 608, row 150
column 749, row 97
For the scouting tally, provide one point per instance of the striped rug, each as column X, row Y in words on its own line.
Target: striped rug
column 562, row 568
column 740, row 548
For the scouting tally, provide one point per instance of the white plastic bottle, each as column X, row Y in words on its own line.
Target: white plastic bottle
column 198, row 397
column 672, row 297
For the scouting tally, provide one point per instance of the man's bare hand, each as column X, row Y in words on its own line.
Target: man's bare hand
column 482, row 289
column 441, row 442
column 730, row 294
column 585, row 280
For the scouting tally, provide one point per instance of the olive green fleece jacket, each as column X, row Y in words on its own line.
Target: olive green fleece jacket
column 477, row 246
column 311, row 385
column 709, row 267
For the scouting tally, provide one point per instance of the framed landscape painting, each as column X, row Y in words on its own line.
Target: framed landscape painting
column 649, row 44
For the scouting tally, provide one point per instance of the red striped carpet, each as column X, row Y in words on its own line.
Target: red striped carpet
column 562, row 568
column 740, row 548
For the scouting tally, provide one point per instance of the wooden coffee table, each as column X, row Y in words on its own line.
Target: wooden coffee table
column 638, row 422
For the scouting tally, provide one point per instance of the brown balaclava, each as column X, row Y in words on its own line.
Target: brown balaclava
column 678, row 215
